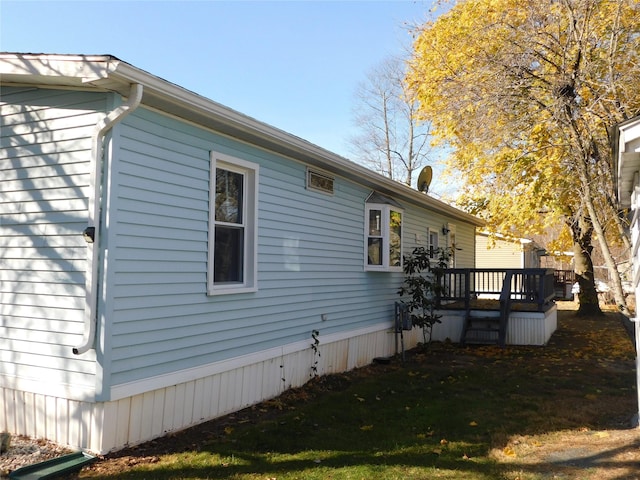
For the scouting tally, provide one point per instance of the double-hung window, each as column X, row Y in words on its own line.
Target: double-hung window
column 383, row 237
column 232, row 265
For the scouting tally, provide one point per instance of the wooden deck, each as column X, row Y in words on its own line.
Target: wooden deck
column 487, row 304
column 479, row 292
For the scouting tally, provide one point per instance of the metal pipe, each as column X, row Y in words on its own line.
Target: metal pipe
column 93, row 255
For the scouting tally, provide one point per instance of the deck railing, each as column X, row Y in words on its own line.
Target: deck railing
column 529, row 285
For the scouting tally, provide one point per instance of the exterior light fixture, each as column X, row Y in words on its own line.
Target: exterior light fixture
column 89, row 234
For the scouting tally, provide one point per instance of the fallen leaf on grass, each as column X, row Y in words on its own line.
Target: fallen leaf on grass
column 509, row 452
column 473, row 424
column 365, row 428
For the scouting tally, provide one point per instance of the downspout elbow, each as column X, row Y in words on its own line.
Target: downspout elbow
column 92, row 233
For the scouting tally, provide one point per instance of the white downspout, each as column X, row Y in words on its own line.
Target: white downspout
column 92, row 234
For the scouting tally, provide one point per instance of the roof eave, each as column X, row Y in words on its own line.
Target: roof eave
column 106, row 72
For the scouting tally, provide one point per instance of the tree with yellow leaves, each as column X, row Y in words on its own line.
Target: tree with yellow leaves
column 525, row 92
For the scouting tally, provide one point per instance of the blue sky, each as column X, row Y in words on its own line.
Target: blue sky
column 292, row 64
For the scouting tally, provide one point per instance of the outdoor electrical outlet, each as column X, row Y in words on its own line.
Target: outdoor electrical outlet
column 323, row 317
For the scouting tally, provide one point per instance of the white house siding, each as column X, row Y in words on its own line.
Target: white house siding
column 501, row 254
column 465, row 245
column 45, row 150
column 628, row 151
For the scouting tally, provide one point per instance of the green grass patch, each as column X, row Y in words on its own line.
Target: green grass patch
column 448, row 413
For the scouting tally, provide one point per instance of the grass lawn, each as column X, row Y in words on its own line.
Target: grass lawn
column 528, row 413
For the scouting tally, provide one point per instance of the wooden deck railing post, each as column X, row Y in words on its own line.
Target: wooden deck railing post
column 505, row 308
column 467, row 288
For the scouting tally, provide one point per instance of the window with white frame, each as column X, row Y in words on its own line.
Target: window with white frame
column 383, row 233
column 433, row 242
column 233, row 196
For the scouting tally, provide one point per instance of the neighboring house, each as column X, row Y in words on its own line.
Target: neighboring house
column 498, row 252
column 165, row 260
column 627, row 155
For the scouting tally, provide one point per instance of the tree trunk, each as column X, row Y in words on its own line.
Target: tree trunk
column 588, row 296
column 587, row 222
column 612, row 268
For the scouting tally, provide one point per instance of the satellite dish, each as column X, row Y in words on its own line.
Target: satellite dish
column 424, row 179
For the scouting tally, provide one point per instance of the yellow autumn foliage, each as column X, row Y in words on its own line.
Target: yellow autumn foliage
column 524, row 92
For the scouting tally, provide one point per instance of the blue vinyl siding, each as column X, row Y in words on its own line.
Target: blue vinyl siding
column 45, row 152
column 154, row 315
column 310, row 255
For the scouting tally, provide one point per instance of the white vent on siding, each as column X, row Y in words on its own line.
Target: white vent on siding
column 319, row 181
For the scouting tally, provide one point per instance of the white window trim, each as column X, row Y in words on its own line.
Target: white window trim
column 386, row 212
column 433, row 253
column 250, row 172
column 451, row 239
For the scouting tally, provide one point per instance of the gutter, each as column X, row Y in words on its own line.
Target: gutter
column 92, row 232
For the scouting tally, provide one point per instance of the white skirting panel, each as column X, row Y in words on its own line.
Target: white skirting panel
column 525, row 328
column 105, row 426
column 531, row 328
column 449, row 329
column 67, row 422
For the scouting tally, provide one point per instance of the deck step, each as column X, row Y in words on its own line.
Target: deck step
column 481, row 335
column 481, row 330
column 53, row 468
